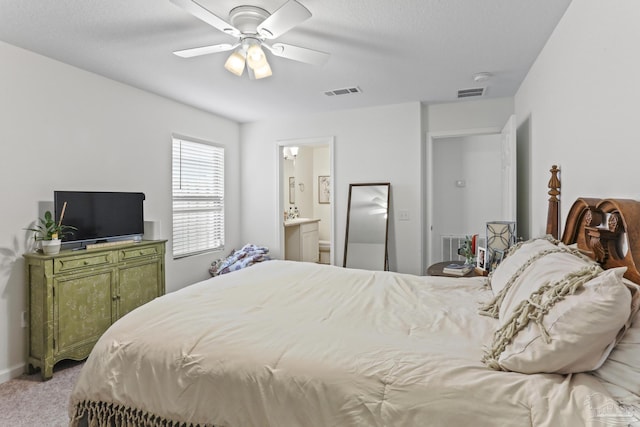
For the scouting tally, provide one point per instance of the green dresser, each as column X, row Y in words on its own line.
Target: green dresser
column 75, row 296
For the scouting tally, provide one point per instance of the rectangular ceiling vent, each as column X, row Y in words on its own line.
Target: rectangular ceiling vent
column 345, row 91
column 467, row 93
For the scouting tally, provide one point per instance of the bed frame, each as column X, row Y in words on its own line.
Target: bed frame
column 602, row 229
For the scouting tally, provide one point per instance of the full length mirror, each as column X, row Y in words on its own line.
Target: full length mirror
column 367, row 226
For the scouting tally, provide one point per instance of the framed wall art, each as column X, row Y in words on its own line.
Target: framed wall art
column 324, row 189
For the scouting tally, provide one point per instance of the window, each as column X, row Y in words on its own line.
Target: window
column 198, row 197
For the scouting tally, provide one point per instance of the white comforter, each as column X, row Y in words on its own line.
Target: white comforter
column 295, row 344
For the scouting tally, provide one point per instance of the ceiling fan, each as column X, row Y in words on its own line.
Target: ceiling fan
column 252, row 26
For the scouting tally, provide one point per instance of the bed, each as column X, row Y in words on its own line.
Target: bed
column 547, row 340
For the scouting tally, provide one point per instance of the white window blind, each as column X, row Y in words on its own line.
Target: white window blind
column 198, row 197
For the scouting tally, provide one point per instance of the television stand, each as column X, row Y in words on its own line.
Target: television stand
column 73, row 297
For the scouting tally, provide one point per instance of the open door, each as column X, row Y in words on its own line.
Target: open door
column 509, row 177
column 505, row 206
column 299, row 181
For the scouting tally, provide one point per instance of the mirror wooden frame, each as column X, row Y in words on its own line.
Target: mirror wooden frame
column 385, row 261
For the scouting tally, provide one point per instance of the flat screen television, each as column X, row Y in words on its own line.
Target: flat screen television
column 100, row 216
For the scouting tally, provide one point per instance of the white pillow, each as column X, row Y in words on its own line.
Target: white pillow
column 582, row 327
column 622, row 367
column 515, row 259
column 517, row 264
column 550, row 268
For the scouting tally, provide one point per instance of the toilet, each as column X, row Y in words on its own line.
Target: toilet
column 325, row 251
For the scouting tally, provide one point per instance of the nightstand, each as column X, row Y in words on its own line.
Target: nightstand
column 436, row 270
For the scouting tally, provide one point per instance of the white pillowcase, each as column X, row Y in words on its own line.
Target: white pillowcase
column 516, row 258
column 621, row 370
column 550, row 268
column 582, row 327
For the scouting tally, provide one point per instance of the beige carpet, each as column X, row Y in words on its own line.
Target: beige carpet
column 28, row 401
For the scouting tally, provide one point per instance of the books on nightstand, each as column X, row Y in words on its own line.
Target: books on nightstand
column 457, row 269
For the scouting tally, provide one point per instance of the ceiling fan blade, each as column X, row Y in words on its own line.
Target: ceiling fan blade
column 301, row 54
column 200, row 12
column 205, row 50
column 282, row 20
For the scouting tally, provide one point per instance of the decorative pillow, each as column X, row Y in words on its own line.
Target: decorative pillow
column 550, row 268
column 551, row 324
column 516, row 270
column 621, row 370
column 515, row 258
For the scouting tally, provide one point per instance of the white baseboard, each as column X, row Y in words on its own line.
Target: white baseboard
column 11, row 373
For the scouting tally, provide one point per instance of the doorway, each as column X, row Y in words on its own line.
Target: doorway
column 471, row 179
column 305, row 187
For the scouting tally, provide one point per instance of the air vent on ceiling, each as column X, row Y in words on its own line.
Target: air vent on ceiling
column 344, row 91
column 467, row 93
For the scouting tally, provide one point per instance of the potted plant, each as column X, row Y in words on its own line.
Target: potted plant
column 49, row 233
column 468, row 249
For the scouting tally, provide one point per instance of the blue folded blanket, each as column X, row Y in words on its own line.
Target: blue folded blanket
column 248, row 255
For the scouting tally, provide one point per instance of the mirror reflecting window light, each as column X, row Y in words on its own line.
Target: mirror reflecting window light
column 367, row 227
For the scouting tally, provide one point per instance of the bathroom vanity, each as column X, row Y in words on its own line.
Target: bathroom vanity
column 301, row 239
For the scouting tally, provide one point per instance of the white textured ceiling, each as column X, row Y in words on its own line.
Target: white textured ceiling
column 394, row 51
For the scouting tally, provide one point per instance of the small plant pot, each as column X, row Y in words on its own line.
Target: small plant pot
column 50, row 247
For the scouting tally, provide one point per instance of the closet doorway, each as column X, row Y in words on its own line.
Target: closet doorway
column 305, row 187
column 471, row 179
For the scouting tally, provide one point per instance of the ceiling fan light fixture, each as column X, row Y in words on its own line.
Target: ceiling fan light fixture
column 256, row 58
column 252, row 25
column 235, row 63
column 262, row 72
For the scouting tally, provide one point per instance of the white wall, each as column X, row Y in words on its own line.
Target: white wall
column 64, row 128
column 578, row 106
column 463, row 115
column 371, row 145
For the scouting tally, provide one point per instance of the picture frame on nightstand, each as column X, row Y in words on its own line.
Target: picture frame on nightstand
column 498, row 256
column 481, row 262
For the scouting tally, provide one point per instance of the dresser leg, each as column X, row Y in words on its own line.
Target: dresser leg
column 47, row 372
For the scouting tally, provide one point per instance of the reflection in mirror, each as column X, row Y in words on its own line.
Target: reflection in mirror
column 367, row 226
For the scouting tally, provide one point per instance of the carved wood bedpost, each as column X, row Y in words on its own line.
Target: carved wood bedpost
column 553, row 213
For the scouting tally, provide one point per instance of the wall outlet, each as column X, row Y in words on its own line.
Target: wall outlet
column 403, row 215
column 24, row 319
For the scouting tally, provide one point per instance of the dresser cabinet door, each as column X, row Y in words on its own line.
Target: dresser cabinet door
column 138, row 284
column 82, row 310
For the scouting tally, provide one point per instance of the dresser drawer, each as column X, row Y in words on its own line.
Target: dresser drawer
column 61, row 265
column 133, row 253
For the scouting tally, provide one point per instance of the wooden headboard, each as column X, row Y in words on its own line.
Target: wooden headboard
column 606, row 230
